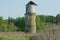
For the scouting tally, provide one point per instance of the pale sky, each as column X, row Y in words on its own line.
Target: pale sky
column 16, row 8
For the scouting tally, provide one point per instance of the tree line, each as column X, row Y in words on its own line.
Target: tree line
column 18, row 24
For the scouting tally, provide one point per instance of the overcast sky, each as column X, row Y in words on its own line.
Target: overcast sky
column 16, row 8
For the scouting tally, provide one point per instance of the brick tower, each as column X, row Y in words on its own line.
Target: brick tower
column 30, row 16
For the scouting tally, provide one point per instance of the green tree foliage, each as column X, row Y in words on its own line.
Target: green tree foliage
column 58, row 19
column 50, row 19
column 40, row 21
column 43, row 21
column 5, row 26
column 37, row 22
column 18, row 24
column 2, row 24
column 11, row 20
column 42, row 18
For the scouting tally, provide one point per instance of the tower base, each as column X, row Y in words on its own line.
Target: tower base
column 30, row 24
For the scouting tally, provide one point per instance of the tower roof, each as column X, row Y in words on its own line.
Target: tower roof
column 31, row 3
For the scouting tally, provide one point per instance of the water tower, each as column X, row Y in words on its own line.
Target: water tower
column 30, row 17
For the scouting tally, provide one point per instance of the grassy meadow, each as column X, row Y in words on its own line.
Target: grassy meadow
column 17, row 38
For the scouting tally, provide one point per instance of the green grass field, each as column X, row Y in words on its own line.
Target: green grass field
column 17, row 38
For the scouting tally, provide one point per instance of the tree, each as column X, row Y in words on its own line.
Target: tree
column 58, row 19
column 50, row 19
column 20, row 23
column 11, row 20
column 38, row 22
